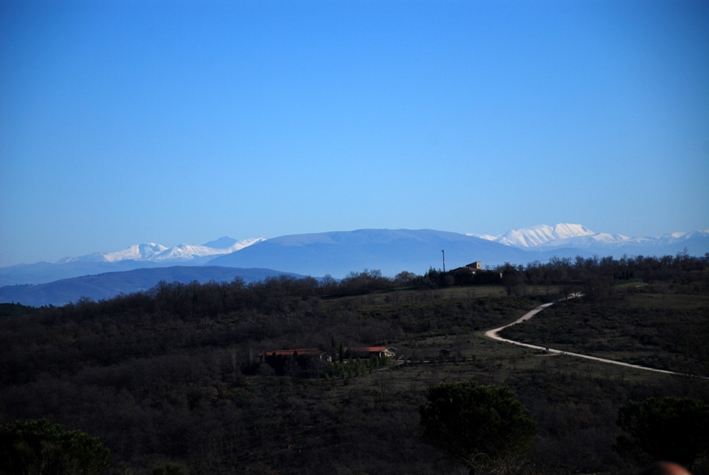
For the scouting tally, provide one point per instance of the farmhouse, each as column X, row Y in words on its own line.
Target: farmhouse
column 473, row 266
column 473, row 274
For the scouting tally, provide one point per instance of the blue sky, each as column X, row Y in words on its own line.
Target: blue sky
column 163, row 121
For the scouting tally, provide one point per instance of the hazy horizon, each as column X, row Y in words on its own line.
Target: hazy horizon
column 485, row 236
column 127, row 122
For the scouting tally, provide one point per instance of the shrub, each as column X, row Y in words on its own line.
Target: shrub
column 40, row 447
column 672, row 429
column 481, row 426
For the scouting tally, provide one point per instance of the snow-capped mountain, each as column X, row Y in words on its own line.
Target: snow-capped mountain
column 544, row 237
column 390, row 251
column 543, row 234
column 673, row 238
column 152, row 252
column 137, row 252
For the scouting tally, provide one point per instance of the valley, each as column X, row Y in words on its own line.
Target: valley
column 172, row 375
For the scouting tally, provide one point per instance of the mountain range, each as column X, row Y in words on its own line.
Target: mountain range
column 579, row 236
column 193, row 254
column 334, row 253
column 138, row 256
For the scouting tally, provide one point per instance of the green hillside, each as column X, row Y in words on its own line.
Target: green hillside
column 173, row 374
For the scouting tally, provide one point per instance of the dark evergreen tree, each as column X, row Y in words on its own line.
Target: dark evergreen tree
column 672, row 429
column 40, row 447
column 481, row 426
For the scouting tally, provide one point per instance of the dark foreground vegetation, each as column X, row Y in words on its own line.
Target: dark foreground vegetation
column 170, row 378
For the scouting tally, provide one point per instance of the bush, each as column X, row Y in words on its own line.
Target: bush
column 672, row 429
column 40, row 447
column 481, row 426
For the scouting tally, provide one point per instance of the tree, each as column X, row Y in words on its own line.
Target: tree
column 404, row 278
column 514, row 284
column 481, row 426
column 168, row 468
column 671, row 429
column 40, row 447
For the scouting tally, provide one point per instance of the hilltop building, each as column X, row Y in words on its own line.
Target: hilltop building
column 473, row 267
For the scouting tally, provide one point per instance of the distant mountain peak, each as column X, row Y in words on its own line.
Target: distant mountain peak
column 388, row 250
column 537, row 235
column 542, row 234
column 136, row 252
column 569, row 235
column 152, row 252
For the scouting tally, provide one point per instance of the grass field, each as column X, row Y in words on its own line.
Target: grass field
column 174, row 385
column 664, row 331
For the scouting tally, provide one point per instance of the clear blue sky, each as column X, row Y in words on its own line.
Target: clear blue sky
column 124, row 122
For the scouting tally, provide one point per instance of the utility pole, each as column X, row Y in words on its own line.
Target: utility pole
column 444, row 260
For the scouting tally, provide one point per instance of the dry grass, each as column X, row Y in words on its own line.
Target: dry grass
column 668, row 301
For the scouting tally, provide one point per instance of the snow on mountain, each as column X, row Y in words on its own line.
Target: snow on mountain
column 542, row 234
column 136, row 252
column 237, row 246
column 187, row 252
column 190, row 251
column 152, row 252
column 543, row 237
column 487, row 237
column 389, row 250
column 537, row 235
column 672, row 238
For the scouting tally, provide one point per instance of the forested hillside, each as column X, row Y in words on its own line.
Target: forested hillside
column 173, row 374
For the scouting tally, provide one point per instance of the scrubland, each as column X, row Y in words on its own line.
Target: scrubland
column 171, row 374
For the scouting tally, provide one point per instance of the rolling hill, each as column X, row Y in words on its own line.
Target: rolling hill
column 391, row 251
column 110, row 284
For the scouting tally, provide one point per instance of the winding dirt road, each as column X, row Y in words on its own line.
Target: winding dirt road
column 494, row 335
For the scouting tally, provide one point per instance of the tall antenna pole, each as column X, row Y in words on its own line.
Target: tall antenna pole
column 444, row 259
